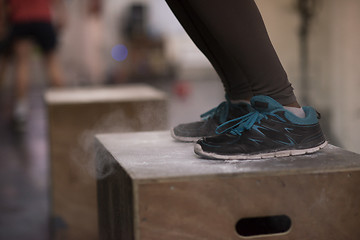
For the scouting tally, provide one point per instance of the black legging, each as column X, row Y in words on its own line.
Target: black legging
column 232, row 35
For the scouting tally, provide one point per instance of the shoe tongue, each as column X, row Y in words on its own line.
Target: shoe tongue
column 264, row 103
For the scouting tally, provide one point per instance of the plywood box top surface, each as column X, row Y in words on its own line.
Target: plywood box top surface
column 119, row 93
column 155, row 156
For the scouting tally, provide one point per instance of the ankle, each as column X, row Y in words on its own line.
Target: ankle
column 297, row 111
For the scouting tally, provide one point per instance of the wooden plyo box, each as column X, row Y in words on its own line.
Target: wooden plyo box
column 154, row 188
column 75, row 116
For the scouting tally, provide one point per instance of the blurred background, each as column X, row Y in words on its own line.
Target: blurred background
column 112, row 42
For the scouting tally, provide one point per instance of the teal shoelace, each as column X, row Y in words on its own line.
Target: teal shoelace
column 222, row 111
column 238, row 125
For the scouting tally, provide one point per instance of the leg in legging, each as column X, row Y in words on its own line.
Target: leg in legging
column 235, row 83
column 238, row 27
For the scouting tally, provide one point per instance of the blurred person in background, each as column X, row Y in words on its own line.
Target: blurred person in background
column 4, row 48
column 32, row 23
column 93, row 42
column 83, row 51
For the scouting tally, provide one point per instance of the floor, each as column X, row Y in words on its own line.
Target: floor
column 24, row 185
column 24, row 203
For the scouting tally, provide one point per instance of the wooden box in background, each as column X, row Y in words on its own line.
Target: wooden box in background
column 75, row 116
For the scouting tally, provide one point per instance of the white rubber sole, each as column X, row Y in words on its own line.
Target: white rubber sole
column 286, row 153
column 183, row 139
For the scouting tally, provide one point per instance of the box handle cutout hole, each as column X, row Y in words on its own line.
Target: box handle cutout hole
column 268, row 225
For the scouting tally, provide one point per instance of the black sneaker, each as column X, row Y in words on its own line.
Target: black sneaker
column 269, row 131
column 191, row 132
